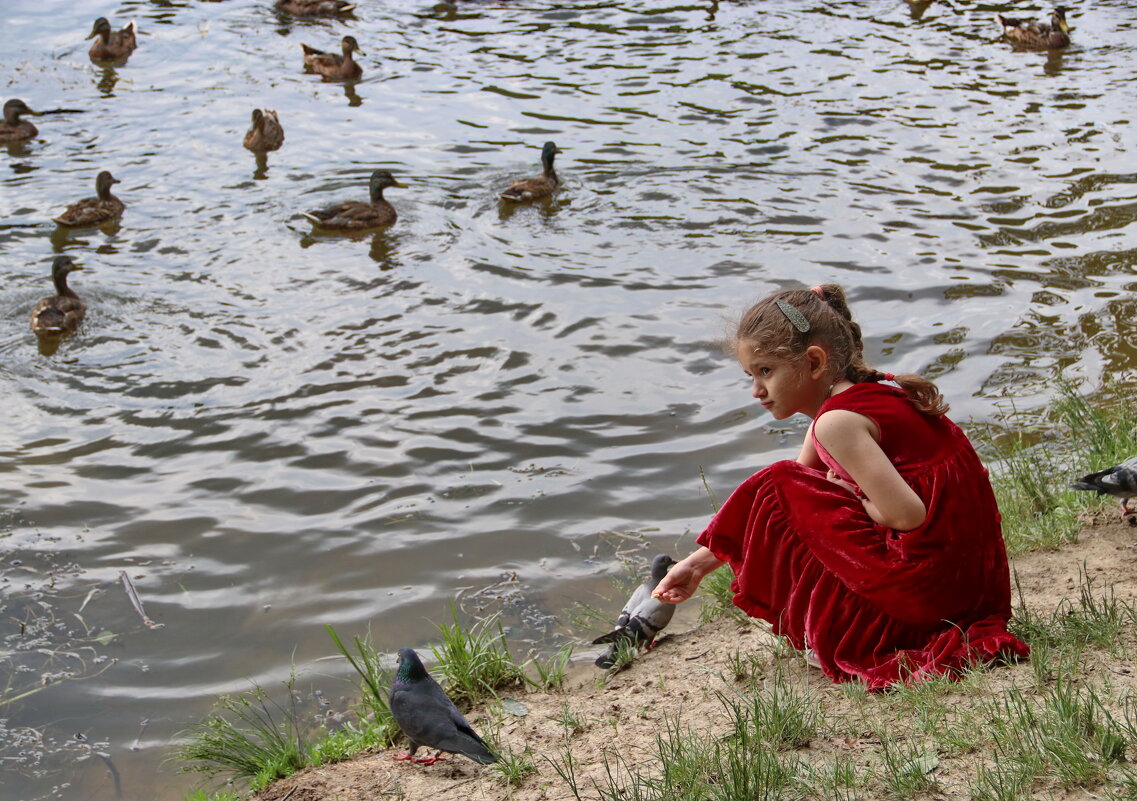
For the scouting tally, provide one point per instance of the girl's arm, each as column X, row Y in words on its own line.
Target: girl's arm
column 808, row 455
column 683, row 578
column 851, row 439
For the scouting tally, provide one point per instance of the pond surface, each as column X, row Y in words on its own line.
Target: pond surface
column 270, row 430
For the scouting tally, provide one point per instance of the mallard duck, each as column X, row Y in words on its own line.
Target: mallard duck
column 63, row 311
column 541, row 186
column 331, row 65
column 265, row 133
column 13, row 129
column 92, row 211
column 315, row 8
column 1053, row 35
column 355, row 215
column 110, row 45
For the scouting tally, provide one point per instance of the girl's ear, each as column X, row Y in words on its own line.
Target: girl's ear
column 817, row 361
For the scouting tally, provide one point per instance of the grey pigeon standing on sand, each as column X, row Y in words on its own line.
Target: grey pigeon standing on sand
column 642, row 617
column 428, row 717
column 1119, row 481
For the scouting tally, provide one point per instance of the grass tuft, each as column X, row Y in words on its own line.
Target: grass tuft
column 248, row 736
column 475, row 662
column 718, row 598
column 551, row 675
column 375, row 682
column 778, row 714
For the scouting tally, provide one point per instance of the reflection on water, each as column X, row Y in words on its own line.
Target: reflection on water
column 272, row 430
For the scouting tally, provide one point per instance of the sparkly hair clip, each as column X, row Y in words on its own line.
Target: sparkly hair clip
column 796, row 318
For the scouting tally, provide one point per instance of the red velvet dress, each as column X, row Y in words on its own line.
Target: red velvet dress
column 873, row 603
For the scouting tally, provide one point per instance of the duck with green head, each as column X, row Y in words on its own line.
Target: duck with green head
column 266, row 133
column 1032, row 32
column 111, row 45
column 332, row 65
column 13, row 129
column 92, row 211
column 355, row 215
column 538, row 187
column 62, row 312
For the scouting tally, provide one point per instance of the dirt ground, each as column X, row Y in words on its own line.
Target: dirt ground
column 681, row 677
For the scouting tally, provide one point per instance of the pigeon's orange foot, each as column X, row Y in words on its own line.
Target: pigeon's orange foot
column 431, row 760
column 403, row 757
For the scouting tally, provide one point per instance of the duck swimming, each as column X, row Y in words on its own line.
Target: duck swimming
column 13, row 129
column 62, row 312
column 355, row 215
column 1030, row 31
column 266, row 133
column 543, row 185
column 315, row 8
column 332, row 65
column 92, row 211
column 110, row 44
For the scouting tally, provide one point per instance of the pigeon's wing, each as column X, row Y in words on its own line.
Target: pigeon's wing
column 641, row 594
column 1119, row 480
column 622, row 633
column 653, row 616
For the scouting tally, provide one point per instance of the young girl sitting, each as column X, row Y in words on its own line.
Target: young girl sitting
column 879, row 550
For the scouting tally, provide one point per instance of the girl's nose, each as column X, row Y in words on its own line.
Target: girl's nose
column 756, row 390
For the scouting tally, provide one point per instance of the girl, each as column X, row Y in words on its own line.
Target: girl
column 879, row 550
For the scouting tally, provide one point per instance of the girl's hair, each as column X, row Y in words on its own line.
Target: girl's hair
column 824, row 314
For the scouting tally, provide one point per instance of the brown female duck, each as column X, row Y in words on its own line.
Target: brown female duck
column 13, row 129
column 92, row 211
column 355, row 215
column 332, row 65
column 543, row 185
column 266, row 133
column 1052, row 35
column 62, row 312
column 315, row 8
column 111, row 45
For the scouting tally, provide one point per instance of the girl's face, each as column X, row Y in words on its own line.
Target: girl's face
column 784, row 388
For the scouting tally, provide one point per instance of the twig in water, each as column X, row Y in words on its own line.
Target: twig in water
column 137, row 740
column 132, row 594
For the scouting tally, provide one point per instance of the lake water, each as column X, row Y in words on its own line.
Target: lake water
column 271, row 431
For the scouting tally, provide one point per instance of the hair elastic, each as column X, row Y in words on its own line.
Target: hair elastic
column 817, row 290
column 889, row 377
column 796, row 318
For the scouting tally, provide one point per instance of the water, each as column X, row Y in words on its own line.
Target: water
column 271, row 431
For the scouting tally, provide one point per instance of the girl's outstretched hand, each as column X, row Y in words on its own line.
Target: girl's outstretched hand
column 683, row 579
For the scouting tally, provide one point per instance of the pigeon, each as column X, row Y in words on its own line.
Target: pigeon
column 428, row 717
column 642, row 617
column 1119, row 481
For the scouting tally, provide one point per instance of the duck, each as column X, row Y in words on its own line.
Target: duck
column 541, row 186
column 62, row 312
column 355, row 215
column 111, row 44
column 13, row 129
column 93, row 211
column 266, row 133
column 315, row 8
column 1029, row 31
column 332, row 65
